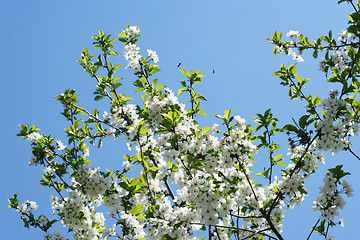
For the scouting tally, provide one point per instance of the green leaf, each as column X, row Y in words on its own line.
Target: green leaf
column 185, row 72
column 159, row 87
column 315, row 54
column 202, row 112
column 277, row 156
column 303, row 121
column 206, row 129
column 140, row 216
column 227, row 114
column 291, row 128
column 338, row 172
column 181, row 90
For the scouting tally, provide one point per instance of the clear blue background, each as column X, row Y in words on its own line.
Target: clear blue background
column 41, row 40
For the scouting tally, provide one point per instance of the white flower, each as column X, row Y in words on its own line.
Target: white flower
column 240, row 121
column 32, row 160
column 132, row 32
column 61, row 146
column 279, row 49
column 26, row 207
column 338, row 59
column 127, row 165
column 49, row 170
column 109, row 232
column 293, row 34
column 297, row 57
column 153, row 55
column 343, row 36
column 33, row 137
column 322, row 65
column 131, row 53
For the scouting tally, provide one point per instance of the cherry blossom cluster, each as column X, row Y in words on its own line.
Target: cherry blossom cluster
column 131, row 32
column 33, row 137
column 78, row 215
column 152, row 54
column 54, row 236
column 334, row 129
column 26, row 207
column 287, row 46
column 131, row 53
column 91, row 182
column 339, row 59
column 330, row 200
column 345, row 36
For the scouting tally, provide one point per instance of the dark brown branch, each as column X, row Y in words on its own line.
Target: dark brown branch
column 313, row 228
column 241, row 229
column 353, row 6
column 244, row 217
column 353, row 153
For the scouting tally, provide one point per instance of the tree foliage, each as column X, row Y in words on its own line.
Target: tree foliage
column 183, row 178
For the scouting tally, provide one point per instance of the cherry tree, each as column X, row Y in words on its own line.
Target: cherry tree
column 182, row 178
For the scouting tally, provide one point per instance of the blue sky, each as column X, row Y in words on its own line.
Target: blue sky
column 41, row 41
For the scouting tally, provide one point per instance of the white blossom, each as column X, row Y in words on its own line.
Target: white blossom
column 33, row 137
column 293, row 34
column 153, row 55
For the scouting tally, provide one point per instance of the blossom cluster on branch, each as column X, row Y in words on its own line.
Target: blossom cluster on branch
column 184, row 178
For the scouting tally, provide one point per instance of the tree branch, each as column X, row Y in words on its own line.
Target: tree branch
column 353, row 153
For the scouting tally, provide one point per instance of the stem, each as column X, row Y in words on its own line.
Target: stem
column 280, row 194
column 270, row 154
column 245, row 217
column 98, row 81
column 241, row 229
column 303, row 96
column 237, row 223
column 107, row 67
column 272, row 227
column 166, row 183
column 353, row 6
column 313, row 228
column 322, row 47
column 327, row 229
column 248, row 180
column 209, row 232
column 217, row 232
column 259, row 232
column 141, row 156
column 354, row 153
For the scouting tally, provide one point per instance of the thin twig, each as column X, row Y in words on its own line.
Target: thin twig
column 353, row 6
column 240, row 229
column 234, row 215
column 260, row 232
column 354, row 153
column 217, row 232
column 313, row 228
